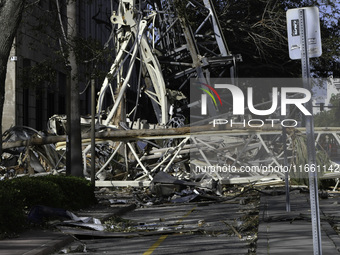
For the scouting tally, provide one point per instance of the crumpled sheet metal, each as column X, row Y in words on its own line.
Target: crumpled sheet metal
column 40, row 212
column 30, row 159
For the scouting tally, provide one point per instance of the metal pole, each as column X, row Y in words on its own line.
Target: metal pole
column 68, row 124
column 93, row 130
column 285, row 162
column 313, row 180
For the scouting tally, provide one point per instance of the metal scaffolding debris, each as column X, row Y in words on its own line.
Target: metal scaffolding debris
column 145, row 154
column 159, row 48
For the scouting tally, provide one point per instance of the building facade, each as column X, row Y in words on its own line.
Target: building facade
column 36, row 74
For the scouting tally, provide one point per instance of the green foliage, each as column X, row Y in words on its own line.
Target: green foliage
column 11, row 212
column 76, row 192
column 181, row 7
column 90, row 55
column 37, row 75
column 18, row 195
column 33, row 191
column 257, row 30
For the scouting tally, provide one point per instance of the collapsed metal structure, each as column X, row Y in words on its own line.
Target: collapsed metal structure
column 160, row 46
column 157, row 39
column 169, row 52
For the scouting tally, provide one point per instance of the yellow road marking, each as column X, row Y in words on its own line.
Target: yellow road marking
column 155, row 245
column 163, row 237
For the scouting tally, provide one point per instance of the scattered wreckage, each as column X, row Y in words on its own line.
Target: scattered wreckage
column 157, row 53
column 165, row 193
column 196, row 154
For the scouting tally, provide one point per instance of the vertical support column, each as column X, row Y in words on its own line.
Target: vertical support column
column 68, row 123
column 73, row 117
column 285, row 162
column 93, row 130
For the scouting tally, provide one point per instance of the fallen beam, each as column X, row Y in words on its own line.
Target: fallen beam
column 123, row 183
column 121, row 135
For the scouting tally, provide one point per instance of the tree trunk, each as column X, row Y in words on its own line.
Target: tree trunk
column 74, row 155
column 10, row 17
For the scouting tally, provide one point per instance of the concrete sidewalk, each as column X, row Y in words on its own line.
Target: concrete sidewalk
column 35, row 242
column 282, row 232
column 44, row 242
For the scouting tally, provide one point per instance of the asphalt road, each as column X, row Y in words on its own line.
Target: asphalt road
column 192, row 228
column 243, row 225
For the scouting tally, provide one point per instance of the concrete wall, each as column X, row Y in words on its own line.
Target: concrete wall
column 8, row 118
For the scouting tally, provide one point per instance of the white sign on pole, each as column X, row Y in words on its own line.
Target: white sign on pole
column 304, row 42
column 312, row 22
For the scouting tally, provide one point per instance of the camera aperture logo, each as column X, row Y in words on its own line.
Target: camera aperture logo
column 204, row 97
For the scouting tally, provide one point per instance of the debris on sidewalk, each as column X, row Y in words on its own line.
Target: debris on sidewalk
column 163, row 217
column 39, row 213
column 161, row 154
